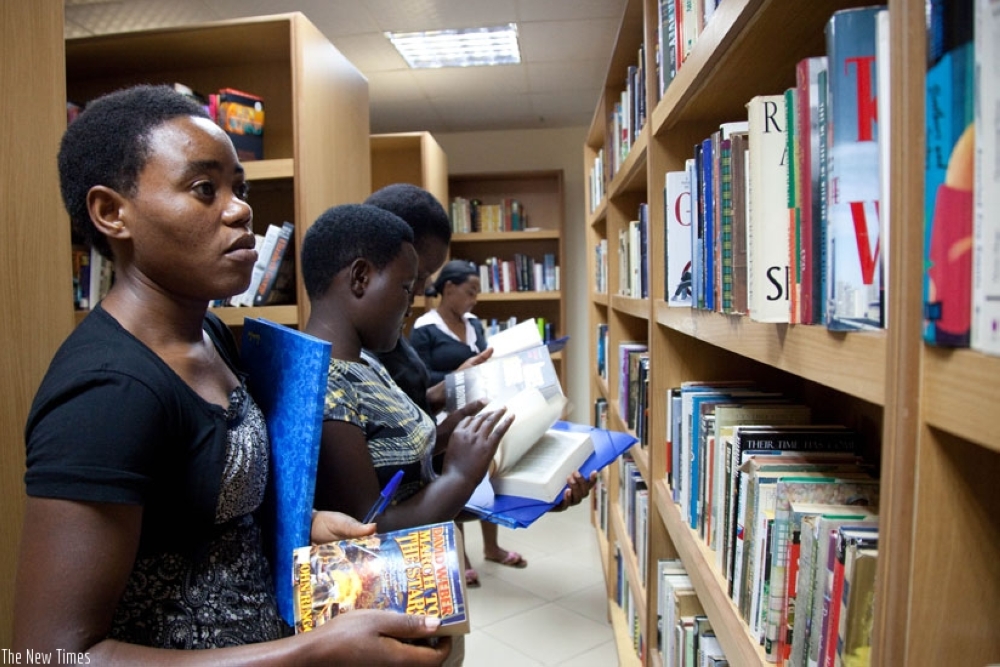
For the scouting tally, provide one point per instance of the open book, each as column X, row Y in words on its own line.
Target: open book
column 535, row 457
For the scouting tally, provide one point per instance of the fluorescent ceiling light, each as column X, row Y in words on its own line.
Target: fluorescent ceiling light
column 469, row 47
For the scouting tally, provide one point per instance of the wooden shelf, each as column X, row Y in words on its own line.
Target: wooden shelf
column 740, row 647
column 553, row 295
column 629, row 560
column 265, row 170
column 838, row 360
column 513, row 237
column 957, row 396
column 635, row 307
column 623, row 638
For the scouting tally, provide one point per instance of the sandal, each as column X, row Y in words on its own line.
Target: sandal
column 471, row 578
column 512, row 559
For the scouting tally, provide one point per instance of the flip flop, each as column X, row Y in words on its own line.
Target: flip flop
column 471, row 578
column 512, row 559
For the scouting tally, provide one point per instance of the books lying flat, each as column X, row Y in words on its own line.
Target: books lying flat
column 287, row 378
column 417, row 570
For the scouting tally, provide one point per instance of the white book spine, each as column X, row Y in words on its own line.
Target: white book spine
column 768, row 266
column 985, row 334
column 677, row 223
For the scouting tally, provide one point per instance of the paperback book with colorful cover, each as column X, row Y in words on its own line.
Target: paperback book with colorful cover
column 417, row 570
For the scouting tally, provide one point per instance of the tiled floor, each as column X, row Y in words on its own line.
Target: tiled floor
column 554, row 611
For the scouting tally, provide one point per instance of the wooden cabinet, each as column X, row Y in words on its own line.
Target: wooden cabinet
column 541, row 196
column 415, row 158
column 316, row 128
column 926, row 413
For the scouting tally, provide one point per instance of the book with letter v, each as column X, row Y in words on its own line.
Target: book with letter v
column 287, row 372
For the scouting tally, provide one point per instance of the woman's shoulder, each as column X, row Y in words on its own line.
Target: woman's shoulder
column 431, row 317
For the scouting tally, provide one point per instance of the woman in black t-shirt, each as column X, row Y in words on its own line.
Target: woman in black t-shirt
column 146, row 458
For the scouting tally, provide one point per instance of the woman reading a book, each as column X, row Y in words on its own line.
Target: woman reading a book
column 446, row 337
column 146, row 458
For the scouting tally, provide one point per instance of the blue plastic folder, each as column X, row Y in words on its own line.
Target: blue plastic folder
column 287, row 373
column 517, row 512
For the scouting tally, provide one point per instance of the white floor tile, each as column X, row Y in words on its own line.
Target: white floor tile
column 605, row 655
column 484, row 650
column 551, row 634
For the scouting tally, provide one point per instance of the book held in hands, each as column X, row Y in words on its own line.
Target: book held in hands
column 412, row 570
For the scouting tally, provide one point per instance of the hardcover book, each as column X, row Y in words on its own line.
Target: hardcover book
column 767, row 225
column 413, row 570
column 287, row 372
column 740, row 167
column 275, row 283
column 853, row 243
column 948, row 175
column 677, row 235
column 807, row 81
column 985, row 335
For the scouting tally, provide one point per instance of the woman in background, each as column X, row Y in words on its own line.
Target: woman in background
column 445, row 337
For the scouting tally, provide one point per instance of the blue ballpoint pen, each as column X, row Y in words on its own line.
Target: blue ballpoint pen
column 384, row 498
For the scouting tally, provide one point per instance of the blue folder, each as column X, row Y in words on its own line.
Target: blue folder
column 518, row 512
column 287, row 372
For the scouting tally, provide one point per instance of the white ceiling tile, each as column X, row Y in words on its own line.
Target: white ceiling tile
column 98, row 19
column 568, row 10
column 571, row 40
column 407, row 117
column 462, row 81
column 440, row 14
column 559, row 76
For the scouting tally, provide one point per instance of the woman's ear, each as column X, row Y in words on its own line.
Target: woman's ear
column 106, row 207
column 360, row 273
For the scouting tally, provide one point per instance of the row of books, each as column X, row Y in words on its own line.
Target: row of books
column 778, row 215
column 595, row 182
column 473, row 215
column 239, row 113
column 633, row 499
column 93, row 275
column 745, row 466
column 627, row 600
column 633, row 383
column 627, row 117
column 684, row 633
column 679, row 24
column 522, row 273
column 273, row 279
column 633, row 258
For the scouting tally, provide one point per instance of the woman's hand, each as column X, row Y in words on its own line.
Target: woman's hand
column 476, row 360
column 473, row 443
column 579, row 488
column 447, row 426
column 334, row 526
column 369, row 637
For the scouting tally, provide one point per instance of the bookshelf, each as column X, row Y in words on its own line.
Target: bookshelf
column 415, row 158
column 316, row 132
column 541, row 194
column 926, row 413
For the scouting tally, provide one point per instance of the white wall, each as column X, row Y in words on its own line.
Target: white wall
column 561, row 148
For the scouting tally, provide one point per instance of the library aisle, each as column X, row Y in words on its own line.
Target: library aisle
column 553, row 612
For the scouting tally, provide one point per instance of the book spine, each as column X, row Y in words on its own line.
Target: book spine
column 768, row 220
column 948, row 174
column 793, row 203
column 677, row 235
column 274, row 262
column 738, row 145
column 853, row 233
column 726, row 224
column 810, row 211
column 985, row 334
column 708, row 225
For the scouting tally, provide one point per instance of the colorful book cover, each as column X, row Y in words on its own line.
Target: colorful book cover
column 854, row 248
column 286, row 375
column 949, row 173
column 807, row 81
column 677, row 237
column 413, row 570
column 985, row 336
column 767, row 225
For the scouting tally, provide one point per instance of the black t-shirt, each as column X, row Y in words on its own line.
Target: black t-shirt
column 111, row 422
column 443, row 353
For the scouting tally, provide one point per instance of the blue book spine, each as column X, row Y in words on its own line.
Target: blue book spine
column 708, row 231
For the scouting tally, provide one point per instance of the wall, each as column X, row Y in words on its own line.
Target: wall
column 36, row 297
column 520, row 150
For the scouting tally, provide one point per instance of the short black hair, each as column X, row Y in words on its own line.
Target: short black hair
column 457, row 271
column 417, row 207
column 108, row 144
column 347, row 232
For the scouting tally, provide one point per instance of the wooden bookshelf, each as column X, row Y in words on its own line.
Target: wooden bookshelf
column 926, row 413
column 316, row 107
column 541, row 194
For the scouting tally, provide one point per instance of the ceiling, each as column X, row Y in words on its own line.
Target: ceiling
column 565, row 51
